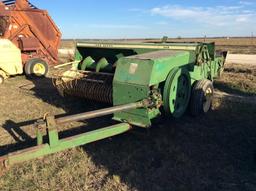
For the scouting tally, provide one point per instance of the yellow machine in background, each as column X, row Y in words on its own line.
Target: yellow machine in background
column 10, row 60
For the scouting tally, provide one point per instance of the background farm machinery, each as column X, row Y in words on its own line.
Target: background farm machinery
column 139, row 82
column 33, row 32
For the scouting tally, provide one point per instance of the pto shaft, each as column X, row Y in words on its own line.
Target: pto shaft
column 103, row 112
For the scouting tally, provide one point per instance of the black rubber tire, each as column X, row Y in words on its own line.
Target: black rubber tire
column 29, row 67
column 199, row 102
column 1, row 79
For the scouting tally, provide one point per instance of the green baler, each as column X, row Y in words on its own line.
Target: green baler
column 140, row 82
column 128, row 73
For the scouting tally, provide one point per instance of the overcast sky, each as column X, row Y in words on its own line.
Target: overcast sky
column 151, row 18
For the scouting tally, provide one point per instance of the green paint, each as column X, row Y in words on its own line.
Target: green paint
column 103, row 65
column 63, row 144
column 135, row 76
column 151, row 68
column 86, row 63
column 176, row 93
column 141, row 66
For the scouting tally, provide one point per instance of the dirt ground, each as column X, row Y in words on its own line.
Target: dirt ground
column 213, row 152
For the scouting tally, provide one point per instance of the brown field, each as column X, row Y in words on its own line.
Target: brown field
column 213, row 152
column 236, row 45
column 233, row 45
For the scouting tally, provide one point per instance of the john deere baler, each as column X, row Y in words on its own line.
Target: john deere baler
column 138, row 81
column 118, row 74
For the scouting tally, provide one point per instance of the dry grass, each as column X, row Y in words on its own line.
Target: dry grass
column 238, row 79
column 214, row 152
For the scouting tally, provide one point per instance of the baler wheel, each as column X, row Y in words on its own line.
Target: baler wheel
column 177, row 92
column 36, row 67
column 201, row 98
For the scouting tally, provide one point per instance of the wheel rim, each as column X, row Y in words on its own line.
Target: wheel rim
column 207, row 99
column 39, row 69
column 177, row 93
column 1, row 80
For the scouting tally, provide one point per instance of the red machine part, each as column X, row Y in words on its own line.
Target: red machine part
column 30, row 29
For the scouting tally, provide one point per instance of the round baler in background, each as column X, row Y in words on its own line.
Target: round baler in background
column 10, row 59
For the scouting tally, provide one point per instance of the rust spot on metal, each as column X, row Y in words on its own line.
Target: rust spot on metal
column 29, row 150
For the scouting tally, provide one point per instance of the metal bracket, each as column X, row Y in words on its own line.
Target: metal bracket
column 52, row 131
column 40, row 127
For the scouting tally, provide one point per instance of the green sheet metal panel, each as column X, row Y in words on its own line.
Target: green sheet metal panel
column 129, row 93
column 134, row 71
column 134, row 77
column 151, row 68
column 164, row 65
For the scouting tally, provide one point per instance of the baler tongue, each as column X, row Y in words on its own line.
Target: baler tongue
column 49, row 127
